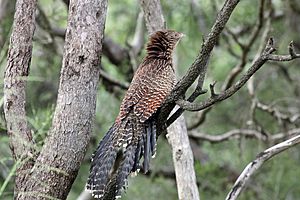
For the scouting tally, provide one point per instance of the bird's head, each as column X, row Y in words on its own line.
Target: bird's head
column 163, row 42
column 173, row 37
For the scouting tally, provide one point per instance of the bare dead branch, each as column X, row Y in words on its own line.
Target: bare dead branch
column 246, row 47
column 261, row 158
column 236, row 133
column 212, row 89
column 115, row 53
column 265, row 56
column 273, row 111
column 229, row 47
column 235, row 38
column 136, row 45
column 259, row 22
column 236, row 70
column 200, row 116
column 290, row 133
column 112, row 81
column 199, row 67
column 248, row 133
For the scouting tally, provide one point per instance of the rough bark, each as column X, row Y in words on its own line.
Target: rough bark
column 58, row 163
column 153, row 15
column 17, row 69
column 177, row 137
column 183, row 160
column 199, row 67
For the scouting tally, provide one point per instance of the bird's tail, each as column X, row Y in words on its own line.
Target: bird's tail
column 118, row 155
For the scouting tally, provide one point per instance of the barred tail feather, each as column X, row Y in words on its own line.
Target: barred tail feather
column 118, row 155
column 149, row 140
column 153, row 138
column 103, row 161
column 125, row 169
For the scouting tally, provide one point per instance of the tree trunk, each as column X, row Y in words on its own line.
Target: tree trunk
column 57, row 165
column 178, row 138
column 17, row 69
column 183, row 160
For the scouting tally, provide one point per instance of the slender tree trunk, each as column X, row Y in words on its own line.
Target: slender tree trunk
column 178, row 138
column 153, row 15
column 17, row 69
column 183, row 160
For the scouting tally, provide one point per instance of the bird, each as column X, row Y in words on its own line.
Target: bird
column 133, row 134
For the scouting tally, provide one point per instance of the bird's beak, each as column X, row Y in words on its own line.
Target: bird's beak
column 182, row 35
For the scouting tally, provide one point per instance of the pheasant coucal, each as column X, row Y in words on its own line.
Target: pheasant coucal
column 133, row 135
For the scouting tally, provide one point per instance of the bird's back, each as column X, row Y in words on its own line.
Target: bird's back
column 133, row 135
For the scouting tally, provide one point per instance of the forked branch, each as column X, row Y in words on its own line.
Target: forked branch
column 256, row 65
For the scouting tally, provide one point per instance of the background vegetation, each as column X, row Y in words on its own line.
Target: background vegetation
column 217, row 164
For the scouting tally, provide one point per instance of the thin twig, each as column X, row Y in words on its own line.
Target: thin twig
column 199, row 67
column 248, row 133
column 265, row 56
column 115, row 82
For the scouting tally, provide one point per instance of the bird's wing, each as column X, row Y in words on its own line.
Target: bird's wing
column 150, row 86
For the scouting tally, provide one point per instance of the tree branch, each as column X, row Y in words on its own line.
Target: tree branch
column 248, row 133
column 244, row 57
column 276, row 113
column 265, row 56
column 228, row 135
column 108, row 78
column 261, row 158
column 199, row 67
column 115, row 53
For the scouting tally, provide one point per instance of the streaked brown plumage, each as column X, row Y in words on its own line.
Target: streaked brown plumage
column 133, row 135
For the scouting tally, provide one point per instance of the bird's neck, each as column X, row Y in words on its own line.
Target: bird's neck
column 159, row 49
